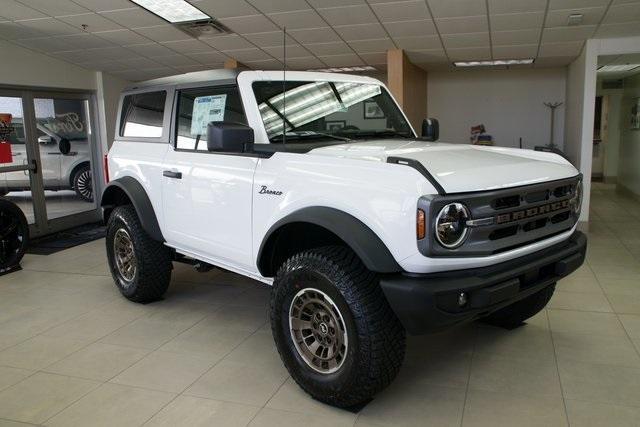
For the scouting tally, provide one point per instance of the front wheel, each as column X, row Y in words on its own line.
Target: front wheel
column 83, row 183
column 334, row 330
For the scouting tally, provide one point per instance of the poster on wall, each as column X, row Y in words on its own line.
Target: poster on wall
column 635, row 114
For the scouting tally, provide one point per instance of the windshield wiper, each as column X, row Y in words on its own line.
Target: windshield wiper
column 309, row 135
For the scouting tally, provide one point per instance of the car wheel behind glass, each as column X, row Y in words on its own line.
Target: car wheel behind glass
column 83, row 183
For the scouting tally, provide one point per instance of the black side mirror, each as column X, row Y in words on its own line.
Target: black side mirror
column 430, row 129
column 228, row 136
column 64, row 146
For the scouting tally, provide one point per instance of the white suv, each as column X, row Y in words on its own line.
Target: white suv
column 319, row 186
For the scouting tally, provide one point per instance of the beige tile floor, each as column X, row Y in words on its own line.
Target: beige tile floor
column 74, row 353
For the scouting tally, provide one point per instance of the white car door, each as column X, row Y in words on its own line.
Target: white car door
column 207, row 195
column 50, row 159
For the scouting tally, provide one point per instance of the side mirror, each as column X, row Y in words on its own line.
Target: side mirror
column 430, row 129
column 45, row 140
column 229, row 137
column 64, row 146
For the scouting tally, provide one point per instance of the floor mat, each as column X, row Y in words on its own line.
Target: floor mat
column 66, row 239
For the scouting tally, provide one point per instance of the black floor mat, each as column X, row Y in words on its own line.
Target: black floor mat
column 66, row 239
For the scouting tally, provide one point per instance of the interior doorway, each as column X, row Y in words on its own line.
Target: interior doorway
column 53, row 158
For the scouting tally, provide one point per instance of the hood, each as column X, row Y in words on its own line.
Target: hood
column 460, row 168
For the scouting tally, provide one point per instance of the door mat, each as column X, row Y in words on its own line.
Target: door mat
column 67, row 239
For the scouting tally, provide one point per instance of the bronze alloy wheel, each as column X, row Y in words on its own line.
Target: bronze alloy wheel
column 125, row 256
column 318, row 330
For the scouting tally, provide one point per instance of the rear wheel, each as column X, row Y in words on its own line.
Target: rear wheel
column 333, row 327
column 140, row 266
column 83, row 183
column 513, row 315
column 14, row 234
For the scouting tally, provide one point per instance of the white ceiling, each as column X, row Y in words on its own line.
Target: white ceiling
column 632, row 59
column 124, row 39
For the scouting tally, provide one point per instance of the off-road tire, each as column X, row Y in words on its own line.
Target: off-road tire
column 515, row 314
column 83, row 183
column 376, row 339
column 153, row 259
column 14, row 234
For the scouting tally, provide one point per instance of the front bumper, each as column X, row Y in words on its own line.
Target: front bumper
column 429, row 302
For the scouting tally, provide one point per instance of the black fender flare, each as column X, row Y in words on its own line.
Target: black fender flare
column 140, row 201
column 357, row 235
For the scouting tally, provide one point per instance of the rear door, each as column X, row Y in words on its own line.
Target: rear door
column 207, row 195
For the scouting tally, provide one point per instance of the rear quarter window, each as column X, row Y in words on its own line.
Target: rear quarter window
column 142, row 115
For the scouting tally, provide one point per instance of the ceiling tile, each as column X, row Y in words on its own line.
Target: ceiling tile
column 75, row 56
column 141, row 75
column 517, row 52
column 347, row 15
column 517, row 21
column 93, row 21
column 567, row 34
column 467, row 24
column 361, row 31
column 50, row 26
column 401, row 11
column 619, row 30
column 55, row 8
column 590, row 16
column 264, row 64
column 332, row 48
column 346, row 60
column 46, row 44
column 298, row 19
column 12, row 31
column 453, row 41
column 111, row 53
column 163, row 33
column 187, row 46
column 516, row 6
column 150, row 49
column 515, row 37
column 410, row 28
column 469, row 54
column 622, row 13
column 134, row 18
column 206, row 57
column 274, row 6
column 104, row 5
column 84, row 41
column 576, row 4
column 315, row 35
column 123, row 37
column 249, row 24
column 175, row 60
column 243, row 55
column 334, row 3
column 454, row 8
column 140, row 63
column 560, row 49
column 13, row 10
column 374, row 58
column 606, row 59
column 226, row 8
column 270, row 38
column 190, row 68
column 228, row 42
column 553, row 61
column 107, row 66
column 419, row 43
column 375, row 45
column 293, row 51
column 427, row 56
column 305, row 63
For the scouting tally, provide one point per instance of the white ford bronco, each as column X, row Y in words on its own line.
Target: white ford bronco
column 317, row 184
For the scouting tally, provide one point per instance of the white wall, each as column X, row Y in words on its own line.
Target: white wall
column 629, row 166
column 610, row 146
column 508, row 102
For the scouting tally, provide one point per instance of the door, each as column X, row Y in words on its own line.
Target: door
column 207, row 195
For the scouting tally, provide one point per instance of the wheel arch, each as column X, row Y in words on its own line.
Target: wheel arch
column 322, row 226
column 128, row 190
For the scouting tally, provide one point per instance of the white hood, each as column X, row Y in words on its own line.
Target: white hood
column 460, row 168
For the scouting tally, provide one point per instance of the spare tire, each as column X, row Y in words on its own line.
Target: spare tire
column 14, row 234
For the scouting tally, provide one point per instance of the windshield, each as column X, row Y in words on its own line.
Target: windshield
column 328, row 110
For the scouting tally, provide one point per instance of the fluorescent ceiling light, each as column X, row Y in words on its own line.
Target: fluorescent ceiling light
column 345, row 69
column 173, row 11
column 495, row 62
column 617, row 68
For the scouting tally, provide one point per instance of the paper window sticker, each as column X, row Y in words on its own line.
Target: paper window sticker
column 207, row 109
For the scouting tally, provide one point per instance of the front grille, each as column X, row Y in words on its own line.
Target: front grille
column 521, row 216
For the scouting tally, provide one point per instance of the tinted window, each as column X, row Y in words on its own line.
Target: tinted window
column 142, row 115
column 198, row 107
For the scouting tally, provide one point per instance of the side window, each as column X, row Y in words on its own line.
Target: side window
column 198, row 107
column 142, row 115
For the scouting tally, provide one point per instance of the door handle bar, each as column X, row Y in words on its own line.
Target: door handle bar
column 172, row 174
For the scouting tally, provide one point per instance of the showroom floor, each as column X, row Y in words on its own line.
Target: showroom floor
column 74, row 353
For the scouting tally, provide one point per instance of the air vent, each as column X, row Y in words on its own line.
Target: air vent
column 612, row 84
column 203, row 28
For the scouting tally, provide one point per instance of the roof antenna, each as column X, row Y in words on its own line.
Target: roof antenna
column 284, row 85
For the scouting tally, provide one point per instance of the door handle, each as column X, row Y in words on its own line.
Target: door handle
column 172, row 174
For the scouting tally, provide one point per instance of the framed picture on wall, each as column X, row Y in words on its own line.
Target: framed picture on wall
column 334, row 125
column 372, row 110
column 635, row 114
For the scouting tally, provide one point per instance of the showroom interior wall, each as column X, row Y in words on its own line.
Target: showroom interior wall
column 610, row 147
column 629, row 167
column 508, row 102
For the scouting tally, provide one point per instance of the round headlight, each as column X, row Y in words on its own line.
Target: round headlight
column 451, row 225
column 576, row 199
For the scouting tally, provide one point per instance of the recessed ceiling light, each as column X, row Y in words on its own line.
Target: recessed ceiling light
column 173, row 11
column 493, row 63
column 345, row 69
column 617, row 68
column 575, row 19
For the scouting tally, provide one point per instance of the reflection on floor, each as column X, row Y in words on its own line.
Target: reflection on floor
column 73, row 352
column 59, row 203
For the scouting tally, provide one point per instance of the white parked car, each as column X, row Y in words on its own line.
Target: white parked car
column 365, row 230
column 65, row 163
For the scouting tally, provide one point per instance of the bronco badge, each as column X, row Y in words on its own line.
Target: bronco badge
column 531, row 212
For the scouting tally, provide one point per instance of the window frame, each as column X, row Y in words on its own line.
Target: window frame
column 166, row 117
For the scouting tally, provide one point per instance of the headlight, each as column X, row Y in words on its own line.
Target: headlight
column 451, row 225
column 576, row 199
